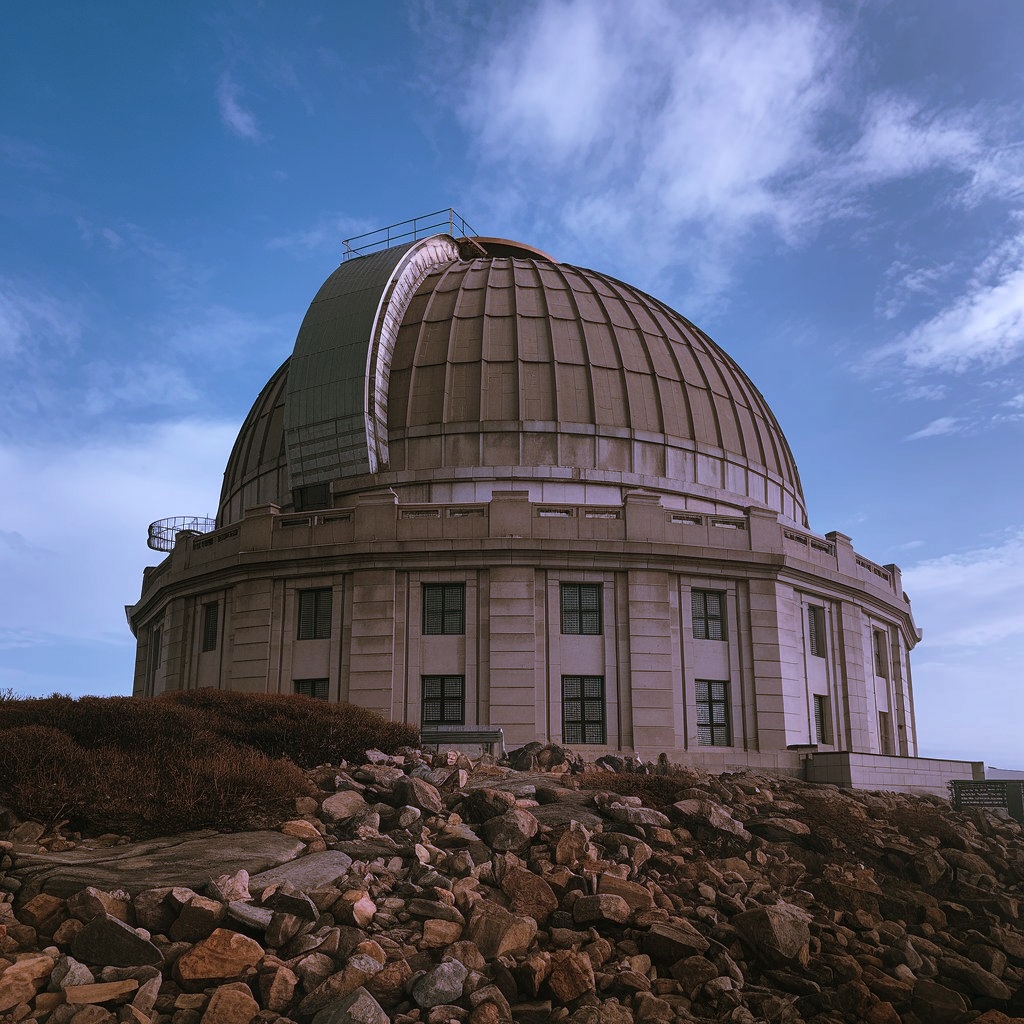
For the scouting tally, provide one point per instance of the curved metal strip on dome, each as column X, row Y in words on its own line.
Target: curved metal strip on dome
column 406, row 278
column 327, row 408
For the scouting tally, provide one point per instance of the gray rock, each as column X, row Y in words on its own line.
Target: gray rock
column 191, row 860
column 306, row 873
column 440, row 986
column 106, row 940
column 358, row 1008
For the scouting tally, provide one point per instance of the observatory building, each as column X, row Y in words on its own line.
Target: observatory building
column 491, row 489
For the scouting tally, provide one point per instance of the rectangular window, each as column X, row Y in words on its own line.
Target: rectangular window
column 713, row 713
column 444, row 700
column 444, row 608
column 878, row 645
column 816, row 629
column 822, row 720
column 156, row 634
column 209, row 642
column 315, row 614
column 581, row 609
column 708, row 615
column 884, row 733
column 583, row 711
column 312, row 688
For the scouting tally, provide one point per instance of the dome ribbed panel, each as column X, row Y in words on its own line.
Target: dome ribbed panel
column 257, row 471
column 520, row 363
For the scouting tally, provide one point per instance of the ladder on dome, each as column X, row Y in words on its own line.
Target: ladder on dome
column 447, row 221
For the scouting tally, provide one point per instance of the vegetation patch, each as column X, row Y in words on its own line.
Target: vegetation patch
column 183, row 761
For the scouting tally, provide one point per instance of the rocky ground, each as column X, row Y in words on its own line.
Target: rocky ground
column 434, row 888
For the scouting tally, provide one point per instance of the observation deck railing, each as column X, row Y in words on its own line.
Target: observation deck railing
column 164, row 532
column 407, row 231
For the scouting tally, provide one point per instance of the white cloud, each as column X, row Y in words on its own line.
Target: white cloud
column 925, row 392
column 34, row 322
column 983, row 327
column 235, row 116
column 972, row 598
column 327, row 233
column 702, row 122
column 75, row 519
column 938, row 428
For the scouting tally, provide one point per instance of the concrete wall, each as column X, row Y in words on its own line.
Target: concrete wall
column 513, row 555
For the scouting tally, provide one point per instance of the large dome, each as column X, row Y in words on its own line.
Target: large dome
column 443, row 368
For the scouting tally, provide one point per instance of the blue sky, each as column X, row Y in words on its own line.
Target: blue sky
column 834, row 192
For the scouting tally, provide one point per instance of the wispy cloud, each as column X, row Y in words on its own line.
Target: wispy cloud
column 25, row 155
column 981, row 328
column 235, row 116
column 938, row 428
column 703, row 121
column 327, row 233
column 34, row 322
column 972, row 598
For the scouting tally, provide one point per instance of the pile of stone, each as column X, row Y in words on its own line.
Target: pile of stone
column 435, row 888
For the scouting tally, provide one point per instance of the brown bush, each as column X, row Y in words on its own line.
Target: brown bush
column 168, row 787
column 308, row 731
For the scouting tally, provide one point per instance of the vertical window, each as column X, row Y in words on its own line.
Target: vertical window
column 312, row 688
column 708, row 615
column 315, row 614
column 581, row 608
column 444, row 700
column 884, row 733
column 712, row 713
column 816, row 629
column 209, row 641
column 822, row 720
column 583, row 710
column 444, row 608
column 156, row 635
column 878, row 646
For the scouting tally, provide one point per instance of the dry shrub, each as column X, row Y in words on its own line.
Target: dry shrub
column 166, row 787
column 308, row 731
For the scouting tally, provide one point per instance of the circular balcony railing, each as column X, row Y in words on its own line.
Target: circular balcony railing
column 164, row 532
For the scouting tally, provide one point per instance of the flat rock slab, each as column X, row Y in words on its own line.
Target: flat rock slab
column 189, row 860
column 308, row 873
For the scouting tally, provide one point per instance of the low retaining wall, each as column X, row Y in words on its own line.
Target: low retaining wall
column 899, row 774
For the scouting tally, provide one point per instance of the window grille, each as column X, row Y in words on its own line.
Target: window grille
column 315, row 614
column 708, row 615
column 822, row 720
column 713, row 713
column 444, row 608
column 210, row 626
column 581, row 608
column 312, row 688
column 816, row 629
column 444, row 700
column 583, row 709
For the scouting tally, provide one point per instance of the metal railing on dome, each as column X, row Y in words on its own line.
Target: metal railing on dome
column 164, row 532
column 407, row 231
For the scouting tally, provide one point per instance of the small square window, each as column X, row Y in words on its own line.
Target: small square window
column 444, row 608
column 713, row 713
column 816, row 629
column 708, row 615
column 315, row 614
column 583, row 709
column 444, row 700
column 581, row 608
column 312, row 688
column 209, row 641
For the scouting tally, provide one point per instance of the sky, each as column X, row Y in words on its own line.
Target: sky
column 833, row 191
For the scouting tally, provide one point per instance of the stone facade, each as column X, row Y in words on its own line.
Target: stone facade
column 596, row 504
